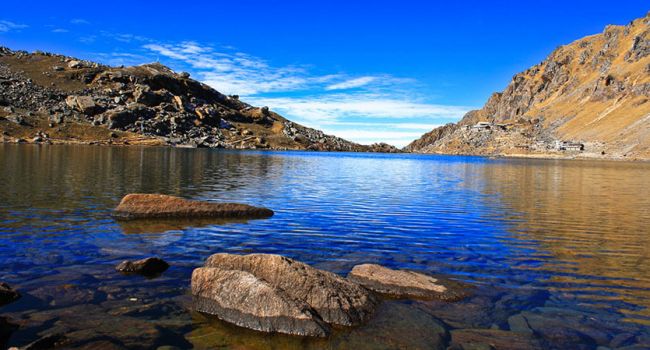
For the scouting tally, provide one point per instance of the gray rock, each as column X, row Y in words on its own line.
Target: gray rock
column 241, row 298
column 83, row 104
column 74, row 64
column 330, row 297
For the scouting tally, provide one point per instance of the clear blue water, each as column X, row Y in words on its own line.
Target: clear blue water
column 564, row 245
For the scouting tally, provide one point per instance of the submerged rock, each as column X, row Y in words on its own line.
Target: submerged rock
column 492, row 339
column 278, row 294
column 406, row 284
column 397, row 326
column 143, row 206
column 147, row 267
column 7, row 294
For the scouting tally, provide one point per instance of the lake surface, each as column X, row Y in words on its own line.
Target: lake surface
column 559, row 251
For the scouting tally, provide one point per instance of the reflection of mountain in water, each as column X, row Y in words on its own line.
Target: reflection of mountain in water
column 588, row 215
column 93, row 176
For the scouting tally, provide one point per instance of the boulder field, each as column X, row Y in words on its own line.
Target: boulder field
column 275, row 294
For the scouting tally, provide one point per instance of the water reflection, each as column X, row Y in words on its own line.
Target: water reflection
column 591, row 219
column 560, row 246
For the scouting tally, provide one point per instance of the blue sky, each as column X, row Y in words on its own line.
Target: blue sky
column 368, row 71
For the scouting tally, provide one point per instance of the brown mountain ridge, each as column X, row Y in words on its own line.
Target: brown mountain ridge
column 587, row 99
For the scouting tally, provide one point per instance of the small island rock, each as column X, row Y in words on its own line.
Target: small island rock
column 147, row 267
column 144, row 206
column 406, row 284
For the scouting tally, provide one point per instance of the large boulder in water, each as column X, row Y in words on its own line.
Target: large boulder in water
column 302, row 299
column 241, row 298
column 145, row 206
column 406, row 284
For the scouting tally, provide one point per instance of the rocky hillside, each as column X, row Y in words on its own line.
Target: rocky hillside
column 48, row 98
column 587, row 99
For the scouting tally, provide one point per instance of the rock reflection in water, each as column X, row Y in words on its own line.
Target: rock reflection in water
column 164, row 225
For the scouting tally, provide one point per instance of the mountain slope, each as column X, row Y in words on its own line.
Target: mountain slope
column 587, row 99
column 56, row 99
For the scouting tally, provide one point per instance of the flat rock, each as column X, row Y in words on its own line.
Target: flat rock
column 148, row 267
column 241, row 298
column 7, row 294
column 406, row 284
column 331, row 298
column 143, row 206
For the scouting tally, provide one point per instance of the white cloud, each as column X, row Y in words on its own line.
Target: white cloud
column 338, row 106
column 124, row 37
column 234, row 73
column 59, row 30
column 79, row 21
column 365, row 118
column 7, row 26
column 352, row 83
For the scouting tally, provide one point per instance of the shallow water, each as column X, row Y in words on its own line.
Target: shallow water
column 559, row 250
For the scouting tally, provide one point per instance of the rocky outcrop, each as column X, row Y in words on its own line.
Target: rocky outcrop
column 7, row 294
column 274, row 293
column 71, row 100
column 151, row 206
column 407, row 284
column 146, row 267
column 587, row 99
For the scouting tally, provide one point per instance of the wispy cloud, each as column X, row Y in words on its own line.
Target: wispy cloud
column 365, row 118
column 59, row 30
column 351, row 83
column 338, row 106
column 7, row 26
column 124, row 37
column 234, row 72
column 79, row 21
